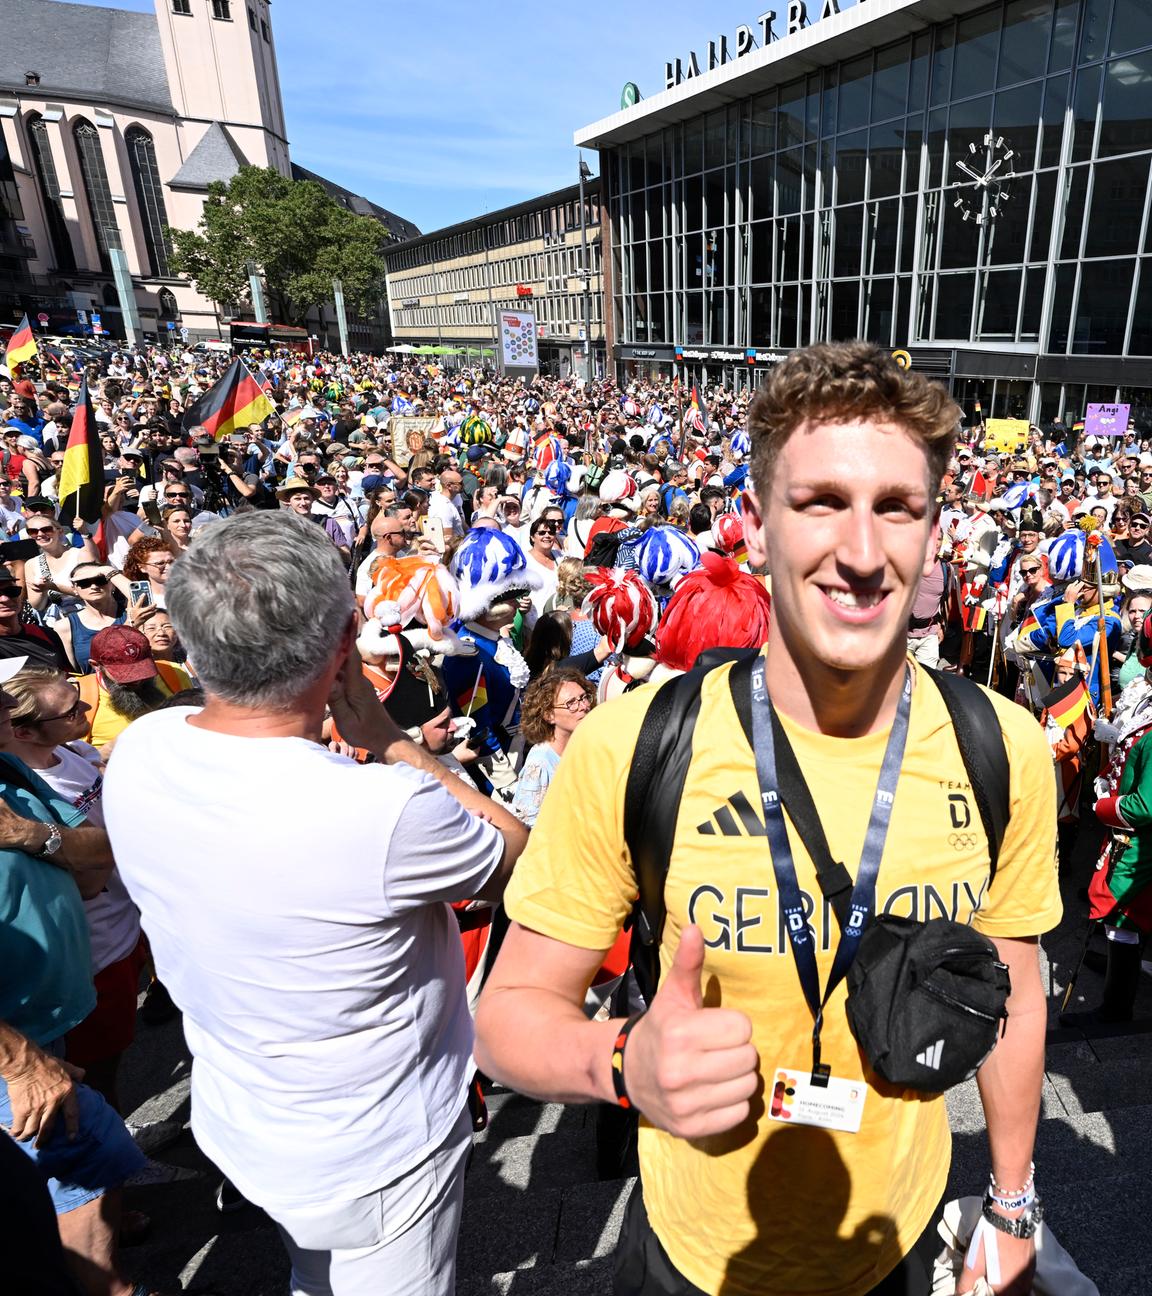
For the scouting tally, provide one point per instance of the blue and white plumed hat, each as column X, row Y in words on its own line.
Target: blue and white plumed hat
column 740, row 444
column 1066, row 556
column 489, row 563
column 557, row 476
column 664, row 554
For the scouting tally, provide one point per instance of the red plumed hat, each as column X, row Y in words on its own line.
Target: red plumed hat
column 716, row 606
column 620, row 606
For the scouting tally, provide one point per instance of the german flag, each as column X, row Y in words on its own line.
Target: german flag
column 475, row 698
column 1068, row 702
column 21, row 348
column 230, row 406
column 82, row 475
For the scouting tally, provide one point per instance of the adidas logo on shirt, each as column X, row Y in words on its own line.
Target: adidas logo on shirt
column 735, row 818
column 931, row 1056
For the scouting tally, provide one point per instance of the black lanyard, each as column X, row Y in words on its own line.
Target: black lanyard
column 765, row 735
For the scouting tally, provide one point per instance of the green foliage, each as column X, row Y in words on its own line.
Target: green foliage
column 298, row 237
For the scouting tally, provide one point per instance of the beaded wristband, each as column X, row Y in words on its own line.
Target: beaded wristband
column 618, row 1047
column 997, row 1191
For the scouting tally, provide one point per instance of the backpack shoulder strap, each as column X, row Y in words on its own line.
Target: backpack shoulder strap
column 652, row 794
column 981, row 743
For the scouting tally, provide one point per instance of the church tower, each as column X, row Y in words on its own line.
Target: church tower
column 221, row 65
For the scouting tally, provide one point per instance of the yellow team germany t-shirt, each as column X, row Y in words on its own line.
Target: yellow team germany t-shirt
column 769, row 1208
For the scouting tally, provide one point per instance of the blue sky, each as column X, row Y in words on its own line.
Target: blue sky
column 441, row 112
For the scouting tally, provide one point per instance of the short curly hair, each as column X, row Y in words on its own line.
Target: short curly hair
column 842, row 382
column 540, row 700
column 139, row 554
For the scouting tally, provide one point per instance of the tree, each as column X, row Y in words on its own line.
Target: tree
column 298, row 237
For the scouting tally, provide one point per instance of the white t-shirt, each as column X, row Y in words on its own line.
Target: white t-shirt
column 294, row 901
column 548, row 576
column 118, row 529
column 446, row 509
column 113, row 920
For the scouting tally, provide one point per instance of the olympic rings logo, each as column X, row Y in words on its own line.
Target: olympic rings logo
column 962, row 841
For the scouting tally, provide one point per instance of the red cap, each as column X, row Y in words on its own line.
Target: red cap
column 123, row 654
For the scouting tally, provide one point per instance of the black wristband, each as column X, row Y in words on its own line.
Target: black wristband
column 618, row 1047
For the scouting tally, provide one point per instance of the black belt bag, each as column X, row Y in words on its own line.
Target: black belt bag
column 926, row 1001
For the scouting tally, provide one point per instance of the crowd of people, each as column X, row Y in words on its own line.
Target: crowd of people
column 439, row 595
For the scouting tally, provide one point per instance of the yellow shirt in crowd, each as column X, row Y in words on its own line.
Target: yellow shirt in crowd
column 768, row 1207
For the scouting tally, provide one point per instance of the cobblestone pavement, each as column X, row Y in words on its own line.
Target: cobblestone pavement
column 538, row 1223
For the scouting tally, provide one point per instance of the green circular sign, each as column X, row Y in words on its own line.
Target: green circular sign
column 630, row 95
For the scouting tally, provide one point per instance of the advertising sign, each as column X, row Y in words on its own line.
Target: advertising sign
column 517, row 339
column 1106, row 420
column 1006, row 436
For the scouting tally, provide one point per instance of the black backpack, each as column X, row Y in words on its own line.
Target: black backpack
column 604, row 549
column 660, row 767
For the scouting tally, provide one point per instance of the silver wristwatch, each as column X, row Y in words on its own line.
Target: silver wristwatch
column 52, row 845
column 1024, row 1227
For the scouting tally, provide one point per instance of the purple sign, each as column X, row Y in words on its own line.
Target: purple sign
column 1106, row 420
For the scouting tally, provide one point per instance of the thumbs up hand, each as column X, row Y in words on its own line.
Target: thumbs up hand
column 691, row 1070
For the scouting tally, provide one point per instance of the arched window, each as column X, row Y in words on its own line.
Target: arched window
column 168, row 308
column 150, row 195
column 95, row 176
column 49, row 183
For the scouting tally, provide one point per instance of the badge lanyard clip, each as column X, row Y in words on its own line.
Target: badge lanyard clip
column 766, row 734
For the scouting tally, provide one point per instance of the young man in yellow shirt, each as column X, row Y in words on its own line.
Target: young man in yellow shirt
column 847, row 456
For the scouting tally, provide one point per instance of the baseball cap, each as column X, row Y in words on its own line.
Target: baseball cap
column 123, row 654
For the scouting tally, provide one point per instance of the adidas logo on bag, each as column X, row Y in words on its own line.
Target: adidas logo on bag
column 931, row 1056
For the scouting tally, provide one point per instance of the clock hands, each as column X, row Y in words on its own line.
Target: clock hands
column 963, row 166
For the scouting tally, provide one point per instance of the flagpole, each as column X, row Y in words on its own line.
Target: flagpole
column 1102, row 633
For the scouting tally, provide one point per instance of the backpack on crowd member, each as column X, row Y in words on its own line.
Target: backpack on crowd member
column 659, row 771
column 604, row 550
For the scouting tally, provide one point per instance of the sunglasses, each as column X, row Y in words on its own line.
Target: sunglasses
column 547, row 526
column 1142, row 526
column 11, row 591
column 183, row 496
column 70, row 714
column 92, row 582
column 1029, row 571
column 39, row 531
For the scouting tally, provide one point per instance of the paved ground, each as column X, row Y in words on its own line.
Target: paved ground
column 537, row 1223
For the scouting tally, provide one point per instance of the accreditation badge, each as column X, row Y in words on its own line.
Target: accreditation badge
column 836, row 1105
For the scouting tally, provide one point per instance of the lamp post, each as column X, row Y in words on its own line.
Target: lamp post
column 586, row 273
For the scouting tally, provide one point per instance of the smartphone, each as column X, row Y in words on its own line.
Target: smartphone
column 153, row 514
column 139, row 593
column 433, row 529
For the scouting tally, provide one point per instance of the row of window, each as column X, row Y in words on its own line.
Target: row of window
column 1097, row 308
column 561, row 311
column 222, row 12
column 548, row 223
column 552, row 268
column 1021, row 130
column 98, row 193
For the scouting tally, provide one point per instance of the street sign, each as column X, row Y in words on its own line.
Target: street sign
column 97, row 327
column 170, row 325
column 42, row 317
column 184, row 332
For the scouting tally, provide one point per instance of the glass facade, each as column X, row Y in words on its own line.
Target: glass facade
column 979, row 189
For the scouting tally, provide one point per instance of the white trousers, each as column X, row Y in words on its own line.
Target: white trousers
column 393, row 1242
